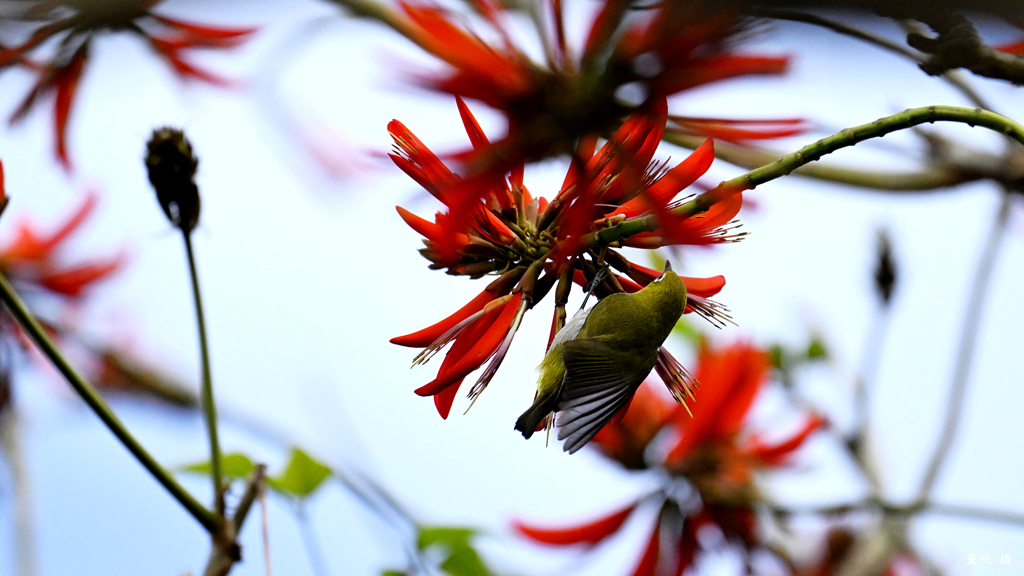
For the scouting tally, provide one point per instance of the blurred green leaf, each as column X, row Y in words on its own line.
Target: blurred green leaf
column 463, row 559
column 393, row 573
column 232, row 466
column 778, row 356
column 687, row 331
column 816, row 350
column 447, row 536
column 302, row 476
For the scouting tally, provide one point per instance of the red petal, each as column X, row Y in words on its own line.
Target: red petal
column 729, row 380
column 482, row 349
column 476, row 134
column 426, row 336
column 31, row 246
column 66, row 83
column 777, row 454
column 202, row 35
column 704, row 287
column 430, row 230
column 444, row 399
column 686, row 172
column 1013, row 48
column 72, row 281
column 649, row 561
column 589, row 534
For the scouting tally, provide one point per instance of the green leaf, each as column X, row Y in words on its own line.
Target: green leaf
column 464, row 561
column 393, row 573
column 302, row 476
column 816, row 350
column 450, row 537
column 231, row 465
column 778, row 357
column 688, row 331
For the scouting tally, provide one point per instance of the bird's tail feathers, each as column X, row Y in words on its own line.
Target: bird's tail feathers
column 531, row 420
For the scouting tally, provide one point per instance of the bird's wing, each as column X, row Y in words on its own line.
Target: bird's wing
column 572, row 328
column 596, row 386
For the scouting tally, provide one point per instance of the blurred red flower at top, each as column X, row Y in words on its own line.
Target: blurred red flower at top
column 708, row 453
column 73, row 24
column 495, row 225
column 631, row 54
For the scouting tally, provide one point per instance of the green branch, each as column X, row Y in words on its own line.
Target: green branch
column 813, row 152
column 750, row 157
column 206, row 395
column 878, row 128
column 93, row 399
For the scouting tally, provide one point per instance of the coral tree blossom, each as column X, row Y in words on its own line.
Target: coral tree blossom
column 630, row 53
column 613, row 196
column 708, row 464
column 32, row 261
column 73, row 24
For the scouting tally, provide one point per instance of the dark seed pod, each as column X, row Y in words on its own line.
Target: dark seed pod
column 885, row 269
column 172, row 169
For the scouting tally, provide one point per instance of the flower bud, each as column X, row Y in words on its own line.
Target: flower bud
column 172, row 169
column 885, row 268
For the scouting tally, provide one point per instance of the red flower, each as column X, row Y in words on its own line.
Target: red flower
column 709, row 455
column 31, row 259
column 494, row 225
column 576, row 92
column 76, row 25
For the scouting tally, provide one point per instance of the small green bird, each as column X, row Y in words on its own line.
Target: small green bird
column 601, row 356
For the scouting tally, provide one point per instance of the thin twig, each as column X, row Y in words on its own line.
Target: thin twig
column 840, row 28
column 314, row 551
column 99, row 406
column 208, row 404
column 863, row 386
column 968, row 340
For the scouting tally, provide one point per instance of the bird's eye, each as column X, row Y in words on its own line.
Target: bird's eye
column 659, row 278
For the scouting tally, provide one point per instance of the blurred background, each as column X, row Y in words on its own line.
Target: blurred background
column 307, row 271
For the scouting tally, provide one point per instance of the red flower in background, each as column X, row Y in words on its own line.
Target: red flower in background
column 655, row 51
column 534, row 245
column 708, row 453
column 31, row 259
column 74, row 24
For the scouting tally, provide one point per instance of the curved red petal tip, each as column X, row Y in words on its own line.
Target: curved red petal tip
column 590, row 533
column 458, row 363
column 73, row 281
column 777, row 454
column 428, row 335
column 444, row 399
column 473, row 130
column 704, row 287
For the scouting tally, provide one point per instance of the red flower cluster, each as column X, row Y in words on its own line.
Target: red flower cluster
column 631, row 54
column 76, row 23
column 612, row 195
column 32, row 263
column 708, row 453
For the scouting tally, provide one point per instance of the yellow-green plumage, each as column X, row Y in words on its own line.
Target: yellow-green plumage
column 601, row 356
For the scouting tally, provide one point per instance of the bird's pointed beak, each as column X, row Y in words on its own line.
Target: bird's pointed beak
column 668, row 266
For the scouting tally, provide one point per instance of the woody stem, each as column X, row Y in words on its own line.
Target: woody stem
column 99, row 406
